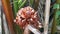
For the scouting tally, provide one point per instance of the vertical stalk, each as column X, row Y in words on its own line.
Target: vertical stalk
column 2, row 20
column 47, row 9
column 53, row 30
column 9, row 15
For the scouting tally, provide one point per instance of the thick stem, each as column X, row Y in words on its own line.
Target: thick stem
column 47, row 9
column 9, row 15
column 26, row 31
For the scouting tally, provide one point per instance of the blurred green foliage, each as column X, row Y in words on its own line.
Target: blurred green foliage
column 58, row 18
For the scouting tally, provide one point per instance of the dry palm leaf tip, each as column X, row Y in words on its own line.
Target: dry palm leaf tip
column 25, row 16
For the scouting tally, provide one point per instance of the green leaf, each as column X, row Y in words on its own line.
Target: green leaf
column 23, row 3
column 19, row 2
column 15, row 6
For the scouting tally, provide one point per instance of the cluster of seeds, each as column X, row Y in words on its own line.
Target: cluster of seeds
column 25, row 16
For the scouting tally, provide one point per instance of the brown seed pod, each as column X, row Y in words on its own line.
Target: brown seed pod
column 27, row 16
